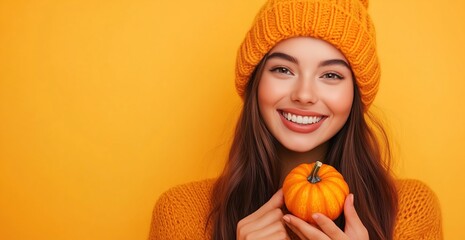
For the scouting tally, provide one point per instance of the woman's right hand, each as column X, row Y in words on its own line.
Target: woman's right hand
column 266, row 222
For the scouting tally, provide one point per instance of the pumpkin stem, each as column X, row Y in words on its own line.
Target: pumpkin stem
column 314, row 178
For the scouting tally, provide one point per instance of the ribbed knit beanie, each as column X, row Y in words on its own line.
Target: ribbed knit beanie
column 343, row 23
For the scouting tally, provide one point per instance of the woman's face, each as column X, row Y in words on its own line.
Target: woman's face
column 305, row 93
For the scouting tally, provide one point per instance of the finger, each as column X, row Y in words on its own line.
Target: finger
column 274, row 231
column 303, row 229
column 354, row 226
column 276, row 201
column 264, row 221
column 329, row 227
column 293, row 229
column 350, row 213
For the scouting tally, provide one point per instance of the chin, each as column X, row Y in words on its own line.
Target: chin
column 300, row 148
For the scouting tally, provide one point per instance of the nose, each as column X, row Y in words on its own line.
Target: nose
column 304, row 92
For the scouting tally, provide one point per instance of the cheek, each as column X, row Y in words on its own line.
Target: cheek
column 340, row 101
column 264, row 100
column 269, row 92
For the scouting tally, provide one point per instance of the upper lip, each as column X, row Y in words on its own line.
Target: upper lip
column 301, row 112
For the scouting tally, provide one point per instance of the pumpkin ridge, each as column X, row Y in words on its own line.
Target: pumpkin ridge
column 339, row 183
column 324, row 208
column 328, row 169
column 324, row 169
column 331, row 174
column 306, row 208
column 295, row 206
column 292, row 193
column 331, row 196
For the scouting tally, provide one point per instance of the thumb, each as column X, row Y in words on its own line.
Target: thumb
column 354, row 227
column 277, row 200
column 351, row 216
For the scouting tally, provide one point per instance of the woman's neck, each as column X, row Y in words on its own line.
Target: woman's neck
column 291, row 159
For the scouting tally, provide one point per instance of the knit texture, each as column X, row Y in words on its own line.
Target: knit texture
column 182, row 212
column 419, row 215
column 343, row 23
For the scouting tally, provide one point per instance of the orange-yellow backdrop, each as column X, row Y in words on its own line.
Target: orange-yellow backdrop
column 106, row 104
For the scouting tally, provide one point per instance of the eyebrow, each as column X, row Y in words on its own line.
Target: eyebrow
column 321, row 64
column 283, row 56
column 334, row 62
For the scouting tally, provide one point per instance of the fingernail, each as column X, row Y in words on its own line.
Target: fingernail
column 352, row 198
column 287, row 218
column 315, row 216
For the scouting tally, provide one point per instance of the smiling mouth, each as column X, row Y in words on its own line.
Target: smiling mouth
column 299, row 119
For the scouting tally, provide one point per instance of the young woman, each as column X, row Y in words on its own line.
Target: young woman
column 307, row 72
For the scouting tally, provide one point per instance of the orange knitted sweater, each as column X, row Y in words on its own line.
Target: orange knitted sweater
column 182, row 212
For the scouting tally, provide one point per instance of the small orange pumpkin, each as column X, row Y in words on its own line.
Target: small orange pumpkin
column 315, row 188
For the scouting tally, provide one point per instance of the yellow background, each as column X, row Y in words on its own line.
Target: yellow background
column 106, row 104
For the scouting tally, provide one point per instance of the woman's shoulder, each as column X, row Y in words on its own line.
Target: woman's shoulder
column 413, row 193
column 419, row 212
column 188, row 191
column 182, row 211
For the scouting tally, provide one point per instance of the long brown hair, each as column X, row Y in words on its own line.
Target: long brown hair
column 252, row 173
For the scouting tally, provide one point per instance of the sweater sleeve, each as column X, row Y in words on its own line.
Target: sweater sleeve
column 419, row 214
column 182, row 213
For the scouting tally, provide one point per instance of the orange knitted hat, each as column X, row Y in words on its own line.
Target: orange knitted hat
column 343, row 23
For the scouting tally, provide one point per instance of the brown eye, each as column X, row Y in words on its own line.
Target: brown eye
column 332, row 76
column 282, row 70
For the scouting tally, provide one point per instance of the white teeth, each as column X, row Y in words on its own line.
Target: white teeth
column 301, row 119
column 287, row 116
column 305, row 120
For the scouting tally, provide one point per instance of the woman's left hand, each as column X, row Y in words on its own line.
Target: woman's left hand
column 354, row 228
